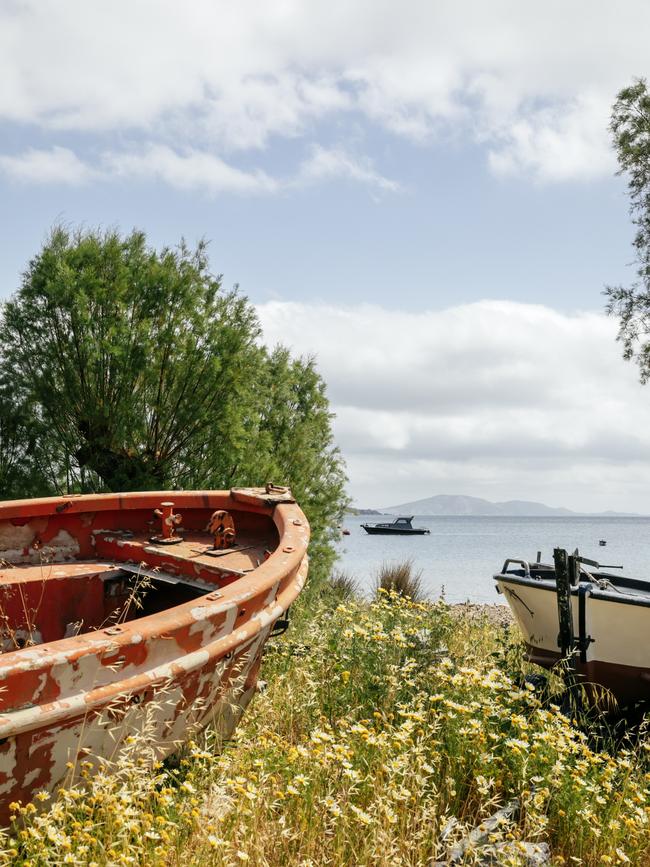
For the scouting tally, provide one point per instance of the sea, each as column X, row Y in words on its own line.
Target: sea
column 461, row 554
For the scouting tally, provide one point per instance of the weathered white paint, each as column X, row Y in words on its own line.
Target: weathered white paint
column 620, row 631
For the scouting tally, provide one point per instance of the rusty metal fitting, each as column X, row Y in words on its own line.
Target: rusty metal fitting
column 276, row 489
column 170, row 520
column 222, row 528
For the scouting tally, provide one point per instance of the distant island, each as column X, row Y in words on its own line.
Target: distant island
column 449, row 504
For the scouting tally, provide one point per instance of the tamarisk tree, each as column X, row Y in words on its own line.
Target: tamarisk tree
column 23, row 470
column 630, row 128
column 137, row 371
column 127, row 353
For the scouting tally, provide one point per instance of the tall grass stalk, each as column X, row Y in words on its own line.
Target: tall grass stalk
column 400, row 578
column 343, row 585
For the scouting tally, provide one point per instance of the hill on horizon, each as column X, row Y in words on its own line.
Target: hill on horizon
column 450, row 504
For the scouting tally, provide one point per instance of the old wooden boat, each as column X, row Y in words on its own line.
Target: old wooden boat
column 577, row 610
column 129, row 613
column 398, row 527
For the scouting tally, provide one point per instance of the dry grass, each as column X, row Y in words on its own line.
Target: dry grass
column 343, row 585
column 381, row 723
column 400, row 578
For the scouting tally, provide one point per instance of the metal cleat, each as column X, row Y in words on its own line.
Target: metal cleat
column 170, row 521
column 222, row 528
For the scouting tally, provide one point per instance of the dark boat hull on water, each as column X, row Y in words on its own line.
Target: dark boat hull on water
column 398, row 527
column 391, row 531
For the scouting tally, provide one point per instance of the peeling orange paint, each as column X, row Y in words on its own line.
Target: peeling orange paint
column 82, row 660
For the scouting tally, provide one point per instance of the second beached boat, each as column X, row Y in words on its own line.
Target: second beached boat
column 580, row 611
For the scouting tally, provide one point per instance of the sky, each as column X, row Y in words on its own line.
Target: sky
column 422, row 195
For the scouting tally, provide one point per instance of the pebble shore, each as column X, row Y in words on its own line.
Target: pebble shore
column 500, row 615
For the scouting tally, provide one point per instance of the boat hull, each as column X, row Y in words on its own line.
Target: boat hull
column 617, row 654
column 155, row 678
column 386, row 531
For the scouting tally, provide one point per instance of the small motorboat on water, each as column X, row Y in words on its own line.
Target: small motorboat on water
column 398, row 527
column 576, row 609
column 120, row 615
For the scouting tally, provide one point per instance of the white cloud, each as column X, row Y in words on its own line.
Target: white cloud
column 324, row 164
column 557, row 144
column 495, row 399
column 201, row 170
column 532, row 82
column 191, row 170
column 188, row 170
column 49, row 166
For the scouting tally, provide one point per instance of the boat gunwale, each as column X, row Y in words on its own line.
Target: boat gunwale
column 34, row 507
column 596, row 592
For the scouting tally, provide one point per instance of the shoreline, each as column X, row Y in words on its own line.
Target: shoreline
column 497, row 613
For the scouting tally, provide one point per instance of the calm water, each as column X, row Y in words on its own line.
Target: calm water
column 461, row 554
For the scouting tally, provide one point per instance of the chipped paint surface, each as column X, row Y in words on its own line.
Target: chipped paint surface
column 83, row 668
column 63, row 546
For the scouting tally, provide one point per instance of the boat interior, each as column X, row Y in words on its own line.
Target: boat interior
column 67, row 575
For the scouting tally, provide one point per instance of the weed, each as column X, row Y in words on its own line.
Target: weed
column 400, row 578
column 343, row 585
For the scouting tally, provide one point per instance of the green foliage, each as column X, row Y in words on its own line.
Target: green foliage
column 128, row 353
column 23, row 472
column 630, row 127
column 287, row 437
column 296, row 425
column 140, row 372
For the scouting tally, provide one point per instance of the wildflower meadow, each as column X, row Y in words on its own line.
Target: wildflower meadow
column 387, row 730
